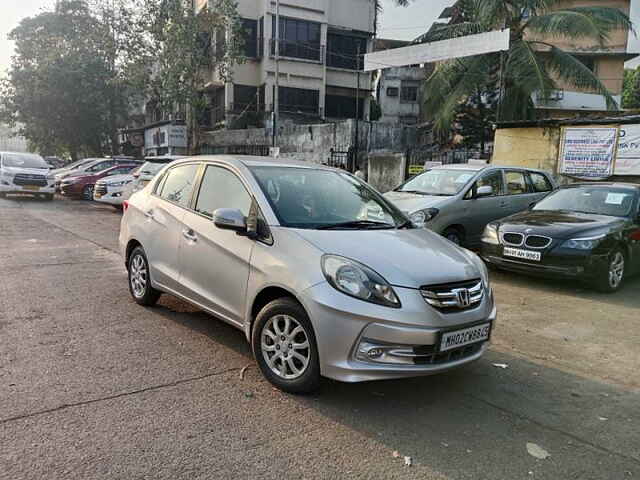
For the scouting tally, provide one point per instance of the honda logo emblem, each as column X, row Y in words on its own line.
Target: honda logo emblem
column 463, row 297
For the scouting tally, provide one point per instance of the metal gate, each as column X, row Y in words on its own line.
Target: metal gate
column 251, row 150
column 344, row 159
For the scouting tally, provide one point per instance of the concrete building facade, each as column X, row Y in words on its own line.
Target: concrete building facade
column 319, row 42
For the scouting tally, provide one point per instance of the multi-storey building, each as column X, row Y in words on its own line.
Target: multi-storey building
column 318, row 61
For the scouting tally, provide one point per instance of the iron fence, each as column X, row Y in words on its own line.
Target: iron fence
column 251, row 150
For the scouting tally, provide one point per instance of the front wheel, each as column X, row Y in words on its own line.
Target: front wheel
column 284, row 346
column 453, row 235
column 139, row 279
column 612, row 277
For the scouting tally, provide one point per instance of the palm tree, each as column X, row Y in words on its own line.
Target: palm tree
column 379, row 8
column 532, row 65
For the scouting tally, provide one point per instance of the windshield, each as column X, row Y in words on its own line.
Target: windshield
column 24, row 160
column 616, row 202
column 438, row 181
column 324, row 199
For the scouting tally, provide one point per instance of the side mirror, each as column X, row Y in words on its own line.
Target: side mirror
column 484, row 191
column 230, row 219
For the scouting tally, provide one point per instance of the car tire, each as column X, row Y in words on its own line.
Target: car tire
column 140, row 280
column 454, row 235
column 279, row 326
column 611, row 279
column 87, row 192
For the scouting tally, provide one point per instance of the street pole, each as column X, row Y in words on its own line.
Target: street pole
column 276, row 93
column 357, row 146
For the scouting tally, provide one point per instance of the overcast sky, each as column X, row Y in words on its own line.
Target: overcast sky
column 401, row 23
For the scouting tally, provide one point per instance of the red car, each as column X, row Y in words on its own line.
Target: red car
column 81, row 186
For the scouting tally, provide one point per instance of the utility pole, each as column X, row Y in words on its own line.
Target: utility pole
column 276, row 91
column 357, row 145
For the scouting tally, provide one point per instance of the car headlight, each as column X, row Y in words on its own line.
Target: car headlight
column 119, row 184
column 490, row 235
column 359, row 281
column 583, row 243
column 421, row 217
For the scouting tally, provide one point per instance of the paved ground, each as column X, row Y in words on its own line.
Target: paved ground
column 93, row 386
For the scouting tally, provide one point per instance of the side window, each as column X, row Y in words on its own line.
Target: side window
column 540, row 182
column 516, row 183
column 221, row 188
column 493, row 179
column 178, row 184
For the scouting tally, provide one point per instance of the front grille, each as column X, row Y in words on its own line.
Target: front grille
column 514, row 239
column 454, row 297
column 445, row 357
column 101, row 189
column 537, row 241
column 30, row 180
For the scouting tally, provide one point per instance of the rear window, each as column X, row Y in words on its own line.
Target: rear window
column 23, row 160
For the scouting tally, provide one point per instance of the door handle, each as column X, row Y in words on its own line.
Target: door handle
column 190, row 235
column 149, row 214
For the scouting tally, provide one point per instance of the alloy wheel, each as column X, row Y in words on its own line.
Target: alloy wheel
column 616, row 270
column 138, row 276
column 285, row 347
column 88, row 192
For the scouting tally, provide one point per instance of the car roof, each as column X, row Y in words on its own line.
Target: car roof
column 255, row 161
column 477, row 167
column 625, row 185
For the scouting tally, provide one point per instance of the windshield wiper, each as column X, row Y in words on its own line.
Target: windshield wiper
column 407, row 224
column 417, row 192
column 365, row 224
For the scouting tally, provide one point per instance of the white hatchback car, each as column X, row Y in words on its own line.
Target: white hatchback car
column 324, row 276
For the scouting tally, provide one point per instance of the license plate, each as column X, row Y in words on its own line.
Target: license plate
column 31, row 188
column 524, row 254
column 460, row 338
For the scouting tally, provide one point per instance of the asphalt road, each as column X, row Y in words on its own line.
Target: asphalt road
column 93, row 386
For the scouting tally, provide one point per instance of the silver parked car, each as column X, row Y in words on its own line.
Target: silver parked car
column 324, row 276
column 458, row 201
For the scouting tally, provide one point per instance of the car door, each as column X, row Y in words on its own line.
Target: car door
column 519, row 195
column 214, row 263
column 540, row 185
column 163, row 214
column 481, row 210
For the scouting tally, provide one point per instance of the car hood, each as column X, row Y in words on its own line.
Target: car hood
column 413, row 202
column 558, row 224
column 117, row 178
column 30, row 171
column 406, row 258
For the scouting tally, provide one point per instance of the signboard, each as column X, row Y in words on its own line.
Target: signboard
column 588, row 153
column 416, row 169
column 166, row 136
column 628, row 157
column 460, row 47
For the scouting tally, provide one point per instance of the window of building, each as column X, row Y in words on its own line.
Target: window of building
column 250, row 29
column 342, row 51
column 299, row 100
column 178, row 184
column 409, row 93
column 298, row 38
column 221, row 43
column 245, row 98
column 587, row 61
column 408, row 119
column 392, row 91
column 338, row 106
column 222, row 189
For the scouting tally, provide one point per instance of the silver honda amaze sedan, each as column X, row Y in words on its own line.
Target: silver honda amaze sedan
column 324, row 276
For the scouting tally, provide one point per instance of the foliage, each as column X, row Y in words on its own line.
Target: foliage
column 476, row 117
column 532, row 65
column 631, row 89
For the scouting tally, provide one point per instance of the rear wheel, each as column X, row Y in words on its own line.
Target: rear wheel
column 139, row 279
column 612, row 277
column 87, row 192
column 284, row 346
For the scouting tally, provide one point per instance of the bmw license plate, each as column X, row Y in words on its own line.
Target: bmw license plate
column 460, row 338
column 523, row 254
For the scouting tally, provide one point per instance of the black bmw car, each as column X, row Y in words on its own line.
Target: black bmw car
column 589, row 232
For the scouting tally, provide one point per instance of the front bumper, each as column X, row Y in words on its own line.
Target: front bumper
column 410, row 335
column 108, row 194
column 556, row 263
column 10, row 187
column 71, row 189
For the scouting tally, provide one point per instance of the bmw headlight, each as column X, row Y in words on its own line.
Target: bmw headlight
column 421, row 217
column 490, row 235
column 583, row 243
column 356, row 280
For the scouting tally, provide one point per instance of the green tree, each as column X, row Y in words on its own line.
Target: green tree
column 54, row 93
column 183, row 42
column 631, row 89
column 475, row 118
column 532, row 65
